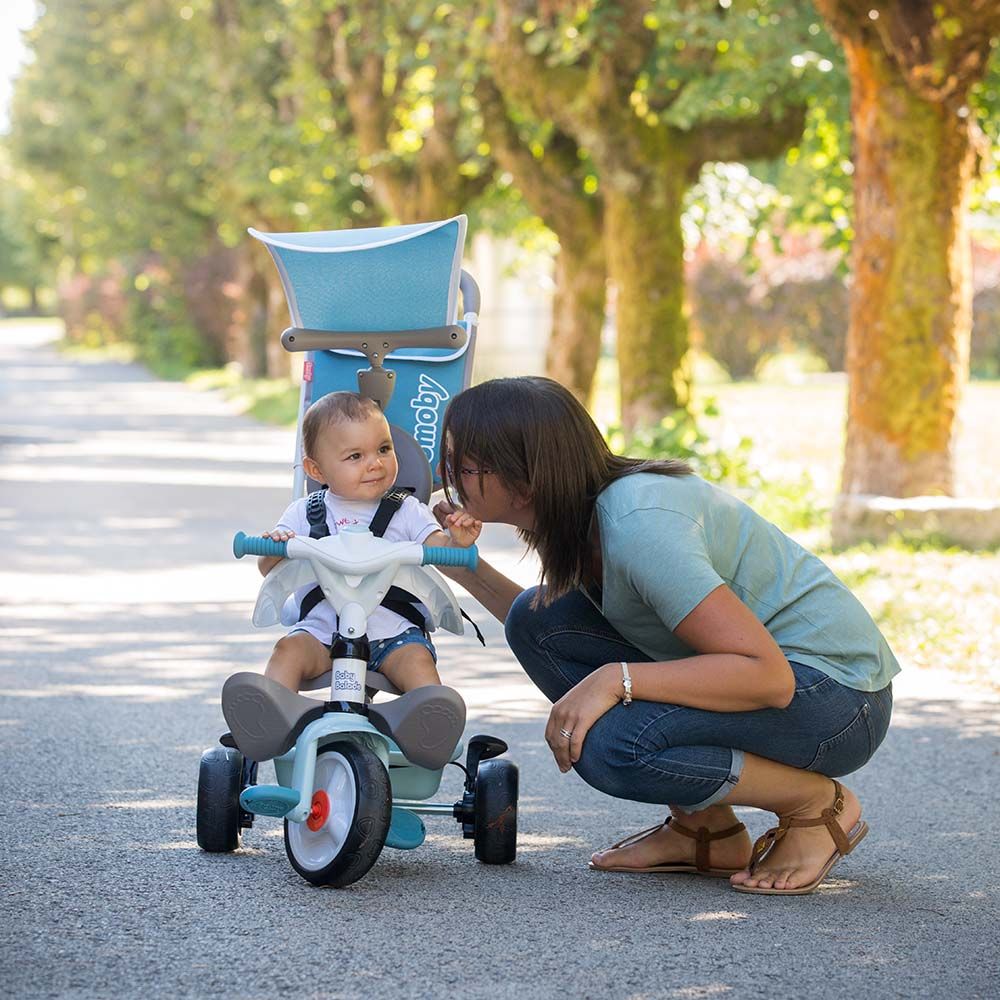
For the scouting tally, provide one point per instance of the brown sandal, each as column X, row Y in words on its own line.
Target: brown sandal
column 846, row 842
column 701, row 864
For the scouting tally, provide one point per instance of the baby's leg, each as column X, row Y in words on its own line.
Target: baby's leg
column 297, row 658
column 410, row 666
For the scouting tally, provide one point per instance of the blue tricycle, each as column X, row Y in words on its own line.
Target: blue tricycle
column 353, row 776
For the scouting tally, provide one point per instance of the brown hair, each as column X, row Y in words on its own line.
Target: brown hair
column 331, row 409
column 537, row 438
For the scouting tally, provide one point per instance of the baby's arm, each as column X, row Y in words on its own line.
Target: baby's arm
column 463, row 531
column 266, row 563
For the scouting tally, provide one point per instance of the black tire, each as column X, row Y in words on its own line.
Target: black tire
column 219, row 787
column 368, row 816
column 496, row 812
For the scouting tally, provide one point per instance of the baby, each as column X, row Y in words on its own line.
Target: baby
column 347, row 445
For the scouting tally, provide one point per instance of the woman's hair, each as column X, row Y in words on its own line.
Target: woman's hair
column 331, row 409
column 537, row 438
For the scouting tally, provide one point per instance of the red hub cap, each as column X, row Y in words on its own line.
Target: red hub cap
column 319, row 812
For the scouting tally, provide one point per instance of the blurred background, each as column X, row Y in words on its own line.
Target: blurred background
column 761, row 235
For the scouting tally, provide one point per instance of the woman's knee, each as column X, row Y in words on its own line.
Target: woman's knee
column 607, row 762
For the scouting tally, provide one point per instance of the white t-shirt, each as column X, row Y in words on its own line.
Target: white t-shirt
column 413, row 522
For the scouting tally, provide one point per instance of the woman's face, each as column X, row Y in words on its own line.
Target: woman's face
column 488, row 499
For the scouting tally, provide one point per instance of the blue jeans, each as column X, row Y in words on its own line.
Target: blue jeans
column 688, row 757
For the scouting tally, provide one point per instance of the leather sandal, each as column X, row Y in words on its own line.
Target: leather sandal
column 845, row 842
column 702, row 863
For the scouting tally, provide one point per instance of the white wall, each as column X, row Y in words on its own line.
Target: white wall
column 516, row 310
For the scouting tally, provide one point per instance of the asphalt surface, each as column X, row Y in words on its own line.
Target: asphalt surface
column 122, row 614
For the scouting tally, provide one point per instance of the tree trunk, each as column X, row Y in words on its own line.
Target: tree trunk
column 646, row 264
column 577, row 317
column 910, row 319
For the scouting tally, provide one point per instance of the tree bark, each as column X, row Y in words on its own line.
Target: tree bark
column 552, row 185
column 429, row 185
column 574, row 346
column 646, row 264
column 645, row 167
column 911, row 65
column 910, row 316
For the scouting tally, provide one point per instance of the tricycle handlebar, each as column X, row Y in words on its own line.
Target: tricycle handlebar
column 257, row 545
column 433, row 555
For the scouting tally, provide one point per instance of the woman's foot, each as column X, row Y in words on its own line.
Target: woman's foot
column 797, row 859
column 665, row 846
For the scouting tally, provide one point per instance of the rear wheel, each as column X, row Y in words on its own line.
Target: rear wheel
column 347, row 825
column 219, row 786
column 496, row 812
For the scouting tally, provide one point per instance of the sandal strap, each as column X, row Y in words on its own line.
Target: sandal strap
column 636, row 837
column 828, row 818
column 704, row 837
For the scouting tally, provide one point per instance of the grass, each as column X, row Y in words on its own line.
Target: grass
column 270, row 400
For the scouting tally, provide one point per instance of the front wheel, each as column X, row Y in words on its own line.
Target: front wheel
column 351, row 810
column 496, row 812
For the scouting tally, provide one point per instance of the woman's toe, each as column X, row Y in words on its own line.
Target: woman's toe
column 781, row 880
column 739, row 878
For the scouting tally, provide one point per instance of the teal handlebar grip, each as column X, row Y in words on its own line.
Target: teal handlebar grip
column 439, row 555
column 255, row 545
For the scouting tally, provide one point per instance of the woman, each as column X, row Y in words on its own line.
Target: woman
column 695, row 655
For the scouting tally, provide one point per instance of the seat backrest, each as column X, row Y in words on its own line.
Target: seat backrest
column 392, row 278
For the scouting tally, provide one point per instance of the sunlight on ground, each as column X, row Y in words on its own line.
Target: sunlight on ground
column 148, row 804
column 146, row 476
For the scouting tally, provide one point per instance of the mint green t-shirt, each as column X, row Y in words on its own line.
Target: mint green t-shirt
column 668, row 541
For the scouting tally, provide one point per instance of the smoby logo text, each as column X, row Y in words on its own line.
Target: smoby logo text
column 427, row 414
column 346, row 680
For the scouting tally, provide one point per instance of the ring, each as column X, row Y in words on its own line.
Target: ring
column 566, row 733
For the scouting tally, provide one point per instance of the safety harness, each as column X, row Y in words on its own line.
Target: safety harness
column 397, row 600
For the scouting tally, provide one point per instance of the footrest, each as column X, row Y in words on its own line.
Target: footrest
column 406, row 831
column 269, row 800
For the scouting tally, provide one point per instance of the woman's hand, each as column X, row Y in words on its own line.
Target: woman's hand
column 577, row 710
column 442, row 510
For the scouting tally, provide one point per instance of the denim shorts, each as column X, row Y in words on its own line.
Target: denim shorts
column 674, row 754
column 381, row 648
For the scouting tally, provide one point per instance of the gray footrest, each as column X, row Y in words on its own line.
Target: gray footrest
column 426, row 723
column 264, row 717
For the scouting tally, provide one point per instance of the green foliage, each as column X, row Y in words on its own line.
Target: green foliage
column 164, row 339
column 270, row 400
column 791, row 505
column 678, row 435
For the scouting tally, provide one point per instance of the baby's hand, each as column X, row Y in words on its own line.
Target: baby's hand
column 463, row 528
column 278, row 534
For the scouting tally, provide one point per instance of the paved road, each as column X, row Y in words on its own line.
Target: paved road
column 122, row 614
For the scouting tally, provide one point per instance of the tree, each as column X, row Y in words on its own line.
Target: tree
column 912, row 64
column 558, row 183
column 652, row 91
column 404, row 77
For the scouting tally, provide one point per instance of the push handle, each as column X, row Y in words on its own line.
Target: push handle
column 257, row 545
column 439, row 555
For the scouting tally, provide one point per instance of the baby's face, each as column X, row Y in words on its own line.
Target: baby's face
column 356, row 458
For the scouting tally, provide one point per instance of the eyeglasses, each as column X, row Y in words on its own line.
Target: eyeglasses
column 464, row 471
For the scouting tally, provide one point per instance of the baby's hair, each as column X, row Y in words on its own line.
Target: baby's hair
column 333, row 408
